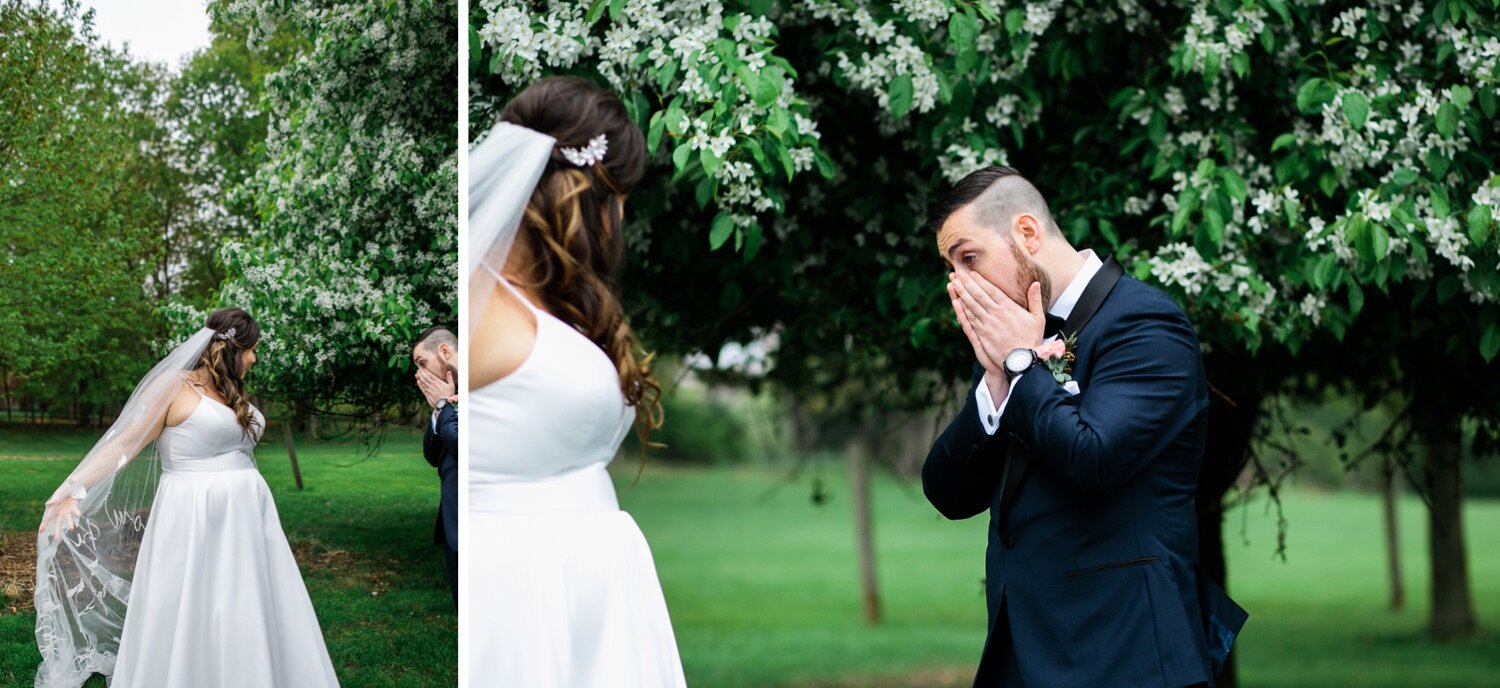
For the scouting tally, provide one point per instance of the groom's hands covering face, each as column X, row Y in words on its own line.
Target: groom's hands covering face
column 994, row 323
column 434, row 387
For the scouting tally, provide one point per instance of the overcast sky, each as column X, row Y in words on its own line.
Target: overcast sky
column 156, row 30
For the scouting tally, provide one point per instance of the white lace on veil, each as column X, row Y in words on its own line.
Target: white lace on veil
column 504, row 168
column 86, row 559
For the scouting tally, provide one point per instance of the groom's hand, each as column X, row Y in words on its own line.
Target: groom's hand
column 999, row 324
column 990, row 364
column 434, row 387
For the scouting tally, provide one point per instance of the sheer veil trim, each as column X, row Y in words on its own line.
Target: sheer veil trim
column 83, row 577
column 504, row 169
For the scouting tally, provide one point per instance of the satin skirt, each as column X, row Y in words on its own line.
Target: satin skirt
column 217, row 598
column 563, row 591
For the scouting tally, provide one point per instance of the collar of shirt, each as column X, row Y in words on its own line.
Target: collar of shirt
column 1063, row 307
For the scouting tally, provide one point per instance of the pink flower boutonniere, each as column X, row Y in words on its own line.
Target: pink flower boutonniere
column 1058, row 356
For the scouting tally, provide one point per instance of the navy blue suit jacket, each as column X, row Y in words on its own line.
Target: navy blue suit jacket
column 440, row 448
column 1094, row 559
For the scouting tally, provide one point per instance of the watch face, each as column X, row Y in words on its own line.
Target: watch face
column 1018, row 360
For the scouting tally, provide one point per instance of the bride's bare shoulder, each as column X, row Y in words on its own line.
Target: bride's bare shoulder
column 502, row 339
column 184, row 402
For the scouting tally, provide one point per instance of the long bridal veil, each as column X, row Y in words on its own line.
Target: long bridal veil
column 86, row 560
column 504, row 168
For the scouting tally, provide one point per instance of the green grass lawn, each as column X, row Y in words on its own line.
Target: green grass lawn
column 362, row 532
column 763, row 590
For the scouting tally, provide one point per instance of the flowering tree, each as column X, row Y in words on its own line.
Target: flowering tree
column 353, row 253
column 1276, row 166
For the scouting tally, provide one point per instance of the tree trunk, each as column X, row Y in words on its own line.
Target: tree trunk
column 1452, row 605
column 291, row 454
column 1231, row 428
column 313, row 426
column 861, row 479
column 5, row 375
column 1392, row 536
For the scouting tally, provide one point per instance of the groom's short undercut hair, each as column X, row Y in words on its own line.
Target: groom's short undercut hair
column 998, row 195
column 435, row 335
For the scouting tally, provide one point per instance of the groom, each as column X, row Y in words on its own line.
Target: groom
column 1091, row 570
column 435, row 355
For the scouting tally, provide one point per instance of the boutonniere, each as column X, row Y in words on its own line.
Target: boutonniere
column 1058, row 356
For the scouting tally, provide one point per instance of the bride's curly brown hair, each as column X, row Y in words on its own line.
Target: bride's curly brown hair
column 224, row 366
column 572, row 229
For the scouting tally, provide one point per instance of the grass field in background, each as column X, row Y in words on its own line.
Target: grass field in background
column 361, row 530
column 762, row 587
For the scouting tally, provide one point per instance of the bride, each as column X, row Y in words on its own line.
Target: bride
column 204, row 592
column 565, row 593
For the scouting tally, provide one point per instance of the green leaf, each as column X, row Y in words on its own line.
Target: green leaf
column 1380, row 240
column 666, row 75
column 1211, row 65
column 1213, row 221
column 1107, row 230
column 1479, row 223
column 653, row 138
column 1447, row 120
column 769, row 86
column 753, row 240
column 709, row 161
column 1235, row 185
column 1437, row 163
column 1241, row 64
column 723, row 227
column 1322, row 274
column 1356, row 296
column 1489, row 342
column 1313, row 94
column 1447, row 288
column 476, row 48
column 825, row 165
column 1440, row 205
column 1462, row 96
column 1487, row 102
column 704, row 192
column 596, row 10
column 963, row 32
column 680, row 156
column 1403, row 177
column 1014, row 20
column 1356, row 108
column 900, row 96
column 1283, row 141
column 616, row 9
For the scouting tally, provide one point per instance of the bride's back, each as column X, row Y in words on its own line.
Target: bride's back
column 209, row 436
column 561, row 409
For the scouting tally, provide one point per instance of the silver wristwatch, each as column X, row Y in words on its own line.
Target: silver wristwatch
column 1019, row 361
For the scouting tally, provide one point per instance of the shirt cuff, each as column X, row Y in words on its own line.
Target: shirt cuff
column 989, row 413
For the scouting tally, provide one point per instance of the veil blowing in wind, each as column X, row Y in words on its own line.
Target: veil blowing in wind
column 504, row 169
column 92, row 529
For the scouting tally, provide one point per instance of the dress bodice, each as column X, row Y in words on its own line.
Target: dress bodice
column 210, row 439
column 561, row 412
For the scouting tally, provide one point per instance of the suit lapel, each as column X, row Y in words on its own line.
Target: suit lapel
column 1017, row 459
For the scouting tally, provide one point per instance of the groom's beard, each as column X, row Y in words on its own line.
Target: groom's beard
column 1028, row 271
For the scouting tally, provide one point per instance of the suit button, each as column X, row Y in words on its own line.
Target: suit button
column 1009, row 542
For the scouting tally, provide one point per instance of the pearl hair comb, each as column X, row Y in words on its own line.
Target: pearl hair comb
column 590, row 154
column 226, row 334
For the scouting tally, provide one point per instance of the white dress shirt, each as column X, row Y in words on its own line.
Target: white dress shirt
column 989, row 413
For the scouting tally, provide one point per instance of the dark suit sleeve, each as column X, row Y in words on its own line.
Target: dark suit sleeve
column 963, row 466
column 447, row 427
column 432, row 443
column 1146, row 385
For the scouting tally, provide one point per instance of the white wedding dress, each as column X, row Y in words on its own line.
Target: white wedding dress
column 563, row 592
column 217, row 600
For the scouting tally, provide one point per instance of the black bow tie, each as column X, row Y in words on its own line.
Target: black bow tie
column 1054, row 326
